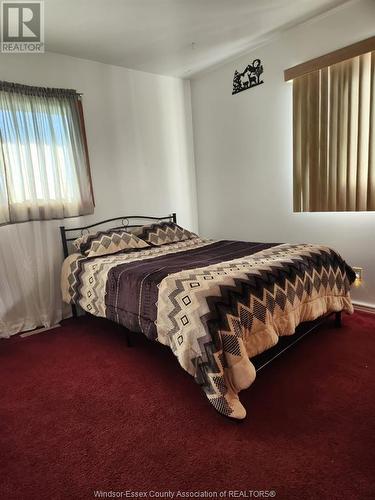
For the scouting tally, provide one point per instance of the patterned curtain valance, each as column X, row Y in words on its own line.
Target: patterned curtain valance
column 18, row 88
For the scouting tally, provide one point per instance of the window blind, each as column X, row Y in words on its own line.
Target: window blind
column 334, row 137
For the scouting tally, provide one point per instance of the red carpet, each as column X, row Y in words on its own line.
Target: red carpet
column 80, row 411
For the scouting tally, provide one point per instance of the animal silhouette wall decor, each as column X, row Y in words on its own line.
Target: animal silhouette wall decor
column 249, row 78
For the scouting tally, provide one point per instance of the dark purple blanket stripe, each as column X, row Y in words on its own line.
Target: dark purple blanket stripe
column 132, row 288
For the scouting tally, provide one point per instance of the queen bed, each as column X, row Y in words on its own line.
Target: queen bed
column 216, row 304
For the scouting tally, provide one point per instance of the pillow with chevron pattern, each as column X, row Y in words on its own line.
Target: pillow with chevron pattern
column 163, row 233
column 108, row 242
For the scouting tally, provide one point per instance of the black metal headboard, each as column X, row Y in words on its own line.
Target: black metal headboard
column 127, row 221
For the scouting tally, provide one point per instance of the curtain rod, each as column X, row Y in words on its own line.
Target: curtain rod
column 34, row 90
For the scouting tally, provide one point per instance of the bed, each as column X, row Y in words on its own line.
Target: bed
column 216, row 304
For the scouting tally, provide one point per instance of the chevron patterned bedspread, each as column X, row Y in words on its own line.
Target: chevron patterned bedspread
column 215, row 304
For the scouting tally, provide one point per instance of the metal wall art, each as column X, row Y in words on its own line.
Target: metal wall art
column 249, row 78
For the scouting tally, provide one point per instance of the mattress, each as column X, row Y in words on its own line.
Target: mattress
column 215, row 304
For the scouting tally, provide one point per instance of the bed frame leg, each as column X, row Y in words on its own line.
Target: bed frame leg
column 338, row 322
column 128, row 339
column 74, row 311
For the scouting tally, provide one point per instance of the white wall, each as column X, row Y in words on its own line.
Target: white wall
column 138, row 128
column 243, row 148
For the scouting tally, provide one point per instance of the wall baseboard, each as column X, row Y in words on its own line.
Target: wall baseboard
column 39, row 330
column 364, row 307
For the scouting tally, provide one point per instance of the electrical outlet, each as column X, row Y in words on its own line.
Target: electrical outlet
column 359, row 275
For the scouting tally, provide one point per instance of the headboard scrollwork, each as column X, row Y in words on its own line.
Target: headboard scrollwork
column 127, row 222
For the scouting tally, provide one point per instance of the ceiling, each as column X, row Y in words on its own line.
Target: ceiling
column 171, row 37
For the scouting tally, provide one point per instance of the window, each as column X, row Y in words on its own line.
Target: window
column 334, row 136
column 44, row 166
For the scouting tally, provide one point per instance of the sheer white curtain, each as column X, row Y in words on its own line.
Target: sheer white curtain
column 44, row 175
column 44, row 167
column 30, row 263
